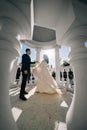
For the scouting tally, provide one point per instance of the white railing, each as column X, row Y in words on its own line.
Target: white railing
column 69, row 85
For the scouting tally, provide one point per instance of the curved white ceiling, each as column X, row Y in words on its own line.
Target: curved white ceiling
column 42, row 21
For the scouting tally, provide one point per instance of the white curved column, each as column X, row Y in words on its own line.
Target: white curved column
column 38, row 53
column 9, row 47
column 13, row 70
column 57, row 62
column 76, row 118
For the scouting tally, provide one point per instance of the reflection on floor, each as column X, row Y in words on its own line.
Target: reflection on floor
column 40, row 111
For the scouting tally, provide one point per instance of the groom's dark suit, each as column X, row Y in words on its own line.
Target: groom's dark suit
column 26, row 61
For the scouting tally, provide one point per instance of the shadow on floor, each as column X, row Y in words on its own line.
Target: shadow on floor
column 41, row 111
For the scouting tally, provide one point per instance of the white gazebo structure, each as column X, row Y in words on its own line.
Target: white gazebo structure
column 44, row 24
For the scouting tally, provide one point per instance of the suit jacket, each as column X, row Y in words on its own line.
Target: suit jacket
column 26, row 61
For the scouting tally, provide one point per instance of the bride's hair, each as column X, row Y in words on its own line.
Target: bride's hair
column 45, row 58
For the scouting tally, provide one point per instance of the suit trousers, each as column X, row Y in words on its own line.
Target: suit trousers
column 23, row 84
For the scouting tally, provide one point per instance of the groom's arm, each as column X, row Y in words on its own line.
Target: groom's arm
column 32, row 62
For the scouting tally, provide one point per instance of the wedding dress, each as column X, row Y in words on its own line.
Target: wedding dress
column 45, row 82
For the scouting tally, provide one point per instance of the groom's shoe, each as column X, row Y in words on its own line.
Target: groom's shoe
column 25, row 92
column 22, row 97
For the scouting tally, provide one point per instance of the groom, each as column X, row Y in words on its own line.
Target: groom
column 26, row 61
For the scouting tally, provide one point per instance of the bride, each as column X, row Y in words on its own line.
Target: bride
column 45, row 82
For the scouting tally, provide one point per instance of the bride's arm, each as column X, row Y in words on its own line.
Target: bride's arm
column 38, row 64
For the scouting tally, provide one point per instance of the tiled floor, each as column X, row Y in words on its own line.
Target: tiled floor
column 40, row 111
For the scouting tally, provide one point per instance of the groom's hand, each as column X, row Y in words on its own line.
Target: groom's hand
column 25, row 72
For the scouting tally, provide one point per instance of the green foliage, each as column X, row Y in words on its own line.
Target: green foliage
column 65, row 63
column 33, row 65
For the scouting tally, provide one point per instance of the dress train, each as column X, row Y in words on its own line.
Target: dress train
column 45, row 82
